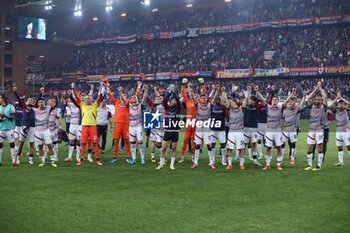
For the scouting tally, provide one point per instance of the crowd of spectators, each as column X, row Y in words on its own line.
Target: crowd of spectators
column 237, row 12
column 307, row 47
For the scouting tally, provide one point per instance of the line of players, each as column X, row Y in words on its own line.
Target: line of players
column 250, row 121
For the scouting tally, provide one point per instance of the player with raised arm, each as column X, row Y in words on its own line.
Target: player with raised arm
column 262, row 125
column 171, row 121
column 42, row 131
column 104, row 117
column 135, row 125
column 54, row 124
column 190, row 114
column 290, row 115
column 235, row 135
column 88, row 132
column 273, row 135
column 27, row 131
column 218, row 112
column 203, row 132
column 318, row 107
column 74, row 136
column 250, row 121
column 342, row 137
column 156, row 134
column 121, row 120
column 7, row 125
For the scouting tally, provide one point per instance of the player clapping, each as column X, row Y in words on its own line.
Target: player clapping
column 342, row 137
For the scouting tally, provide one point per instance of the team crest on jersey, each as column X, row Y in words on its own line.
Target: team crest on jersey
column 151, row 120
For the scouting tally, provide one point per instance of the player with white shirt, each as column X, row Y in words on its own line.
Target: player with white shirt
column 342, row 137
column 42, row 131
column 156, row 134
column 235, row 136
column 54, row 126
column 135, row 126
column 103, row 117
column 273, row 135
column 290, row 116
column 7, row 125
column 318, row 108
column 202, row 133
column 74, row 136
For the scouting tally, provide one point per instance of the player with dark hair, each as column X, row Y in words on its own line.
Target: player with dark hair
column 318, row 107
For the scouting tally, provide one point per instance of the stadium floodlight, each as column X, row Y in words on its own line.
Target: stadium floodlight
column 48, row 5
column 95, row 18
column 146, row 2
column 78, row 13
column 227, row 0
column 109, row 8
column 155, row 10
column 77, row 9
column 123, row 14
column 189, row 5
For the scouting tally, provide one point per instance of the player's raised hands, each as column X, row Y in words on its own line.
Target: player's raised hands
column 319, row 84
column 14, row 88
column 234, row 88
column 42, row 90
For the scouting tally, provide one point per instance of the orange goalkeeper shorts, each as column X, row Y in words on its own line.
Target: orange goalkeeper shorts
column 88, row 133
column 121, row 130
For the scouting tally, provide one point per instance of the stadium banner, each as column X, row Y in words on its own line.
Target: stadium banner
column 270, row 72
column 75, row 75
column 95, row 77
column 148, row 77
column 170, row 35
column 187, row 74
column 148, row 36
column 163, row 76
column 194, row 32
column 232, row 73
column 54, row 80
column 305, row 71
column 81, row 80
column 337, row 70
column 205, row 74
column 284, row 72
column 112, row 78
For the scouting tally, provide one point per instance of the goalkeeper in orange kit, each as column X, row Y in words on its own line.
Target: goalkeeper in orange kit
column 88, row 112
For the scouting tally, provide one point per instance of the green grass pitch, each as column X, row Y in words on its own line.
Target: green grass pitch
column 135, row 198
